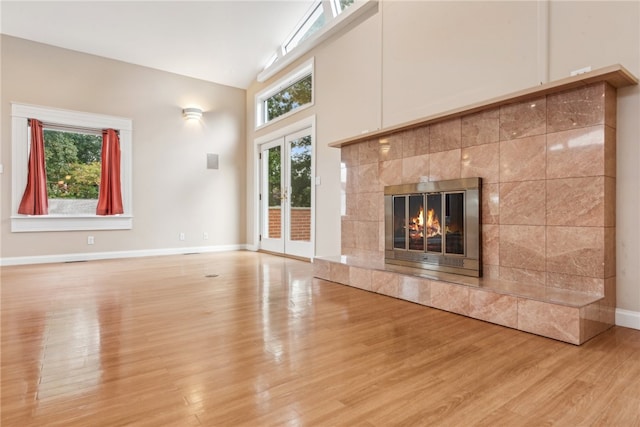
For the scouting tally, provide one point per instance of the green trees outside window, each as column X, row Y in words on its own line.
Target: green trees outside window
column 73, row 163
column 301, row 173
column 290, row 98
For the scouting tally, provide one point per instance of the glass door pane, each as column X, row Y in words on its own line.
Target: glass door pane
column 300, row 189
column 274, row 191
column 271, row 196
column 433, row 227
column 399, row 222
column 416, row 222
column 454, row 214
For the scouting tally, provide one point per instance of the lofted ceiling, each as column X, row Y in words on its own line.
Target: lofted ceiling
column 226, row 42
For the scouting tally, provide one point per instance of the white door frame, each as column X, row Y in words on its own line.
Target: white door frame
column 308, row 122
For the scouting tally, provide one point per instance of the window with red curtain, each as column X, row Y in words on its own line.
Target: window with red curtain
column 35, row 200
column 37, row 176
column 110, row 197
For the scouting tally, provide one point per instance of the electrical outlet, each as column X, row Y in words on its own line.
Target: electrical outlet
column 90, row 240
column 182, row 236
column 205, row 236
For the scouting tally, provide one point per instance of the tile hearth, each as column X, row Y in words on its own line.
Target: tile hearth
column 565, row 315
column 546, row 157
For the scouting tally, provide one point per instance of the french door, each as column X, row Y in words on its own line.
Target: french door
column 287, row 194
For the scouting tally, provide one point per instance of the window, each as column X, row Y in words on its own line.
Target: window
column 290, row 98
column 323, row 19
column 288, row 95
column 310, row 25
column 73, row 163
column 71, row 144
column 338, row 6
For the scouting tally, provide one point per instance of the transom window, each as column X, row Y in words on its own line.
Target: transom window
column 286, row 96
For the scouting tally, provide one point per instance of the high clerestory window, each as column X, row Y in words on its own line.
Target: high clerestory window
column 309, row 25
column 323, row 18
column 316, row 18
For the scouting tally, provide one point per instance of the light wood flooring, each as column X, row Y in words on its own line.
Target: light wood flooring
column 156, row 342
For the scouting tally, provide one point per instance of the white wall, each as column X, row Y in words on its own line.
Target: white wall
column 424, row 58
column 173, row 191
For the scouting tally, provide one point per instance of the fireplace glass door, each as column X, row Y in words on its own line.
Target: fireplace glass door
column 454, row 217
column 286, row 194
column 436, row 220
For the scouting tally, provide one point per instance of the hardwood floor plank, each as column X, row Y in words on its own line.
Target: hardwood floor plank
column 154, row 342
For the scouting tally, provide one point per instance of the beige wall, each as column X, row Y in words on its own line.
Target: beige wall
column 424, row 58
column 173, row 191
column 442, row 55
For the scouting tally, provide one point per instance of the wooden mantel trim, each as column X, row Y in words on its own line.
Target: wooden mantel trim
column 616, row 75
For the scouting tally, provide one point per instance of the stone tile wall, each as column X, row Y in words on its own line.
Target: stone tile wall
column 548, row 169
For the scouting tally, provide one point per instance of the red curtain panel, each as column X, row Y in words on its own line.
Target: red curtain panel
column 110, row 198
column 34, row 200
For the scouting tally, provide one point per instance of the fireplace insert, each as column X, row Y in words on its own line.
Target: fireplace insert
column 434, row 225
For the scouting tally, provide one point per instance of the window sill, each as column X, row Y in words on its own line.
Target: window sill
column 26, row 223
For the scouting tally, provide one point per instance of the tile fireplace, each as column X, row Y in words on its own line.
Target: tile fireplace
column 546, row 159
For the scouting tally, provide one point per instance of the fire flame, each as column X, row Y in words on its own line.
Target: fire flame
column 418, row 226
column 433, row 224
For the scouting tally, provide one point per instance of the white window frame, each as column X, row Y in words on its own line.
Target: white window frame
column 299, row 73
column 20, row 113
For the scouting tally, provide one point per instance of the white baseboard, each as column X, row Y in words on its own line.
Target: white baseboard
column 117, row 254
column 628, row 318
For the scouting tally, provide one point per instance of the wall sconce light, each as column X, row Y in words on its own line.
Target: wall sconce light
column 192, row 113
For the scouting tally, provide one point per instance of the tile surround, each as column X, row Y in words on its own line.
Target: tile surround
column 481, row 128
column 548, row 207
column 480, row 161
column 523, row 119
column 445, row 136
column 523, row 159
